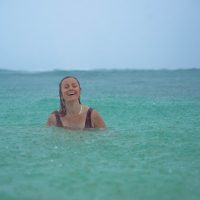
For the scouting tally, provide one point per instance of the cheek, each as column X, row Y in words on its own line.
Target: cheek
column 63, row 92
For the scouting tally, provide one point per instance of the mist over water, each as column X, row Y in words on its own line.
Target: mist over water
column 150, row 149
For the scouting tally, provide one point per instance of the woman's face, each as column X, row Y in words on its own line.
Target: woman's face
column 70, row 89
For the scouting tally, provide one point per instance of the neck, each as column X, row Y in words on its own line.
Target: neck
column 73, row 108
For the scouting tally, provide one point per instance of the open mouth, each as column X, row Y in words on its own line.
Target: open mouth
column 71, row 93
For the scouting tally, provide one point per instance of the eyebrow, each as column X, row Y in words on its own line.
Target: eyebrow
column 66, row 84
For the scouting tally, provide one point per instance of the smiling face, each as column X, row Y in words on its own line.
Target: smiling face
column 70, row 89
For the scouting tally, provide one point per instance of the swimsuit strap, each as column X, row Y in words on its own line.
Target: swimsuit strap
column 88, row 121
column 58, row 120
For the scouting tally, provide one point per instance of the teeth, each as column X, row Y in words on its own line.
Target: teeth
column 71, row 93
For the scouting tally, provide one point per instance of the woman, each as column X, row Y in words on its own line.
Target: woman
column 72, row 113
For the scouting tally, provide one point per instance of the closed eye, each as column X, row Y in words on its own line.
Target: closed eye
column 74, row 85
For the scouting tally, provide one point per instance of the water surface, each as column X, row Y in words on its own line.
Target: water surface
column 150, row 149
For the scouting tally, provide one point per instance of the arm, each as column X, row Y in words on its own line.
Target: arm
column 51, row 120
column 97, row 120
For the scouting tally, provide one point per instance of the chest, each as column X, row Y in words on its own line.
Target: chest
column 77, row 122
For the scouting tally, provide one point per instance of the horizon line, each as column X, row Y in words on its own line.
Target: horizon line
column 98, row 69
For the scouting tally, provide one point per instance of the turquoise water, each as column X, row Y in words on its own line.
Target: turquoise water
column 150, row 149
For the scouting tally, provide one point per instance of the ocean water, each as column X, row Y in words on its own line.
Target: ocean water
column 150, row 149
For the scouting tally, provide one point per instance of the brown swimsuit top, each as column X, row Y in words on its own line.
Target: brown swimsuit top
column 88, row 121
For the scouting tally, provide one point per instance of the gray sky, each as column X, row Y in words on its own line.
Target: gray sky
column 93, row 34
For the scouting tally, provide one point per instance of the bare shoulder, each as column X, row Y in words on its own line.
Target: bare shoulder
column 51, row 120
column 97, row 120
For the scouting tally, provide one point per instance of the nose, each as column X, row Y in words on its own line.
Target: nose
column 70, row 87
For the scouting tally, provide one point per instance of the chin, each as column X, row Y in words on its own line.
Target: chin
column 72, row 99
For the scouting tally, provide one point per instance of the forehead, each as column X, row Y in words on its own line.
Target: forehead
column 70, row 80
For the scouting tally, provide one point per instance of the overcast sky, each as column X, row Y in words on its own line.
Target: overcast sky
column 95, row 34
